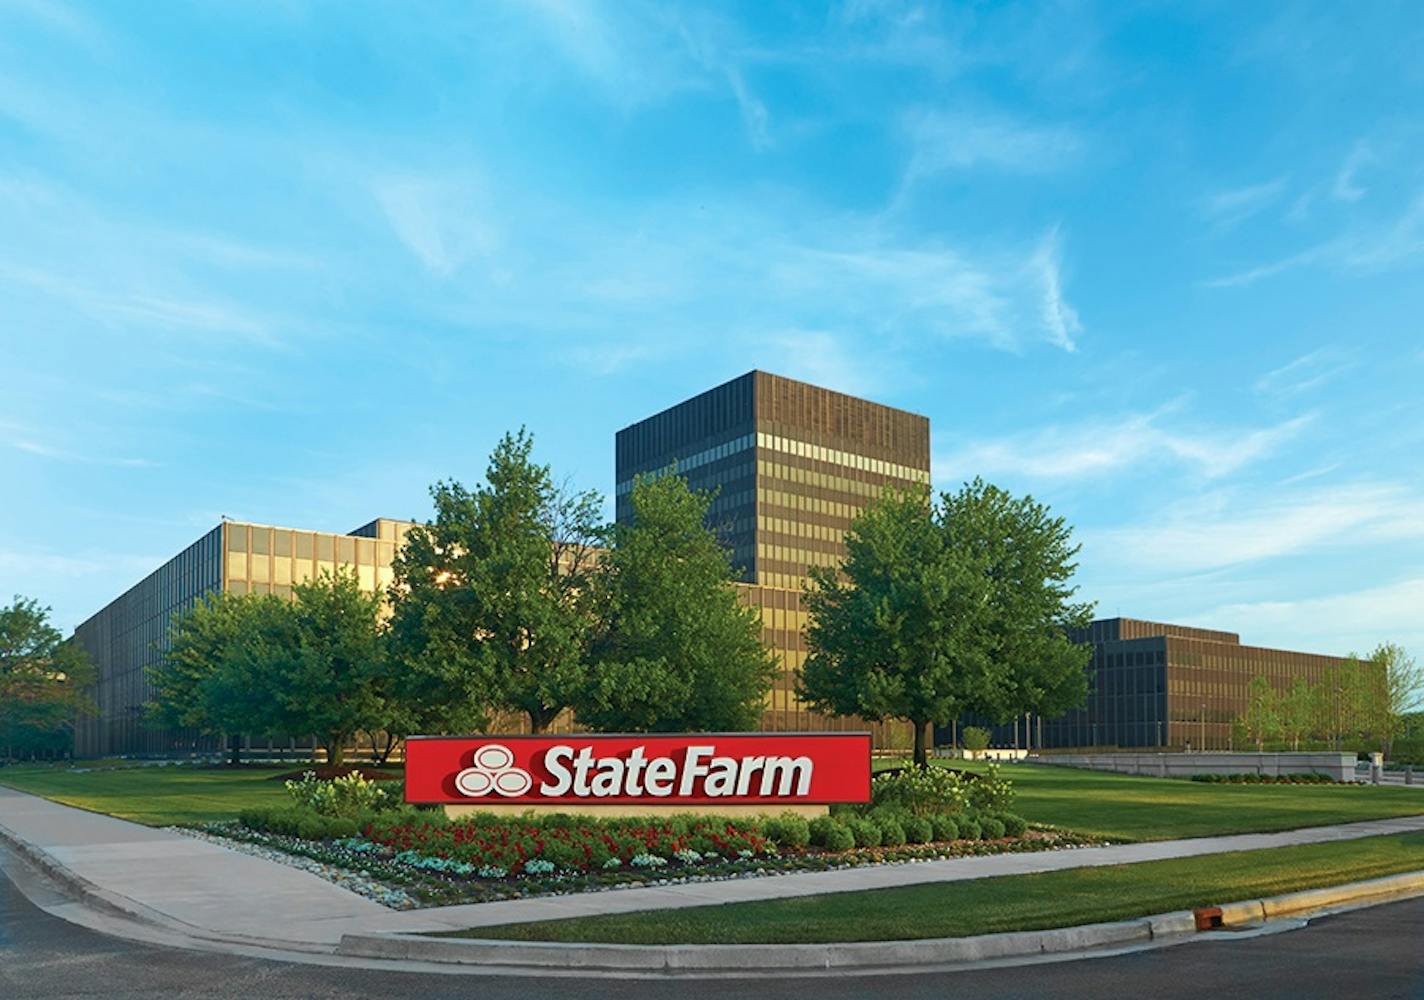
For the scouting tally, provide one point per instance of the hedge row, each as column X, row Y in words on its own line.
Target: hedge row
column 1266, row 779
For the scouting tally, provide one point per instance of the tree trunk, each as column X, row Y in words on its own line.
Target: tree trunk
column 234, row 749
column 335, row 751
column 921, row 757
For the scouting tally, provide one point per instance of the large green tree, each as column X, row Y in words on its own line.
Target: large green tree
column 1262, row 719
column 326, row 662
column 44, row 682
column 1397, row 688
column 489, row 598
column 941, row 608
column 675, row 650
column 213, row 675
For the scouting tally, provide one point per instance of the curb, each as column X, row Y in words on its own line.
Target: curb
column 1176, row 926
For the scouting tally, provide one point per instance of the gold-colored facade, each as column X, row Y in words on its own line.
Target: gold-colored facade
column 792, row 464
column 130, row 635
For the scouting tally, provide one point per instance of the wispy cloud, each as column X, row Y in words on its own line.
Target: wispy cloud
column 1104, row 446
column 948, row 141
column 1347, row 186
column 1227, row 208
column 1060, row 320
column 1223, row 528
column 441, row 219
column 1309, row 371
column 823, row 358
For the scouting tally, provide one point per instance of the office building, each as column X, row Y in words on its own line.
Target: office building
column 130, row 634
column 792, row 465
column 1159, row 685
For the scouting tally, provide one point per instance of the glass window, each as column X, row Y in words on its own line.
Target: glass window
column 282, row 543
column 366, row 551
column 304, row 545
column 366, row 576
column 261, row 568
column 262, row 540
column 301, row 571
column 237, row 565
column 237, row 537
column 325, row 548
column 281, row 570
column 346, row 549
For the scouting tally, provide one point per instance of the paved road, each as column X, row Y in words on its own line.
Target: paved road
column 1372, row 953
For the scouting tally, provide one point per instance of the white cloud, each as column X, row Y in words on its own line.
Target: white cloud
column 1060, row 320
column 1347, row 186
column 1340, row 623
column 944, row 141
column 1222, row 529
column 823, row 358
column 1099, row 447
column 440, row 219
column 1227, row 208
column 1309, row 371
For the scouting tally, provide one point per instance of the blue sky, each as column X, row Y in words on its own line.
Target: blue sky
column 1158, row 265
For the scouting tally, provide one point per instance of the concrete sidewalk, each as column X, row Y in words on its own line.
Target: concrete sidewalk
column 227, row 895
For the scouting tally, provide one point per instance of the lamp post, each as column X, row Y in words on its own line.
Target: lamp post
column 1203, row 726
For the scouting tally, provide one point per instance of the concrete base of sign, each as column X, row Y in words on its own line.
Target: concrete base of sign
column 608, row 811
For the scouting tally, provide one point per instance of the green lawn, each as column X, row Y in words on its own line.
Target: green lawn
column 1125, row 808
column 157, row 796
column 983, row 906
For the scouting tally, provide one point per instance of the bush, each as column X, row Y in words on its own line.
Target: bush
column 892, row 832
column 991, row 828
column 291, row 822
column 921, row 791
column 969, row 828
column 1014, row 825
column 990, row 792
column 918, row 830
column 819, row 829
column 866, row 831
column 945, row 828
column 839, row 838
column 787, row 831
column 347, row 795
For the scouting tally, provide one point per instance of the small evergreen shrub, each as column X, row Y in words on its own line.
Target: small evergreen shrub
column 1014, row 824
column 865, row 830
column 892, row 833
column 819, row 829
column 918, row 830
column 968, row 828
column 839, row 838
column 991, row 828
column 787, row 831
column 945, row 828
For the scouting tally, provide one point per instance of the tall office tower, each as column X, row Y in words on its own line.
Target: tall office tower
column 793, row 464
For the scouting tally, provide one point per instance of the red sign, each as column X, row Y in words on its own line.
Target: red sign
column 686, row 769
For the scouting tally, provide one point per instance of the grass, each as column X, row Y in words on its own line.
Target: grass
column 156, row 796
column 983, row 906
column 1125, row 808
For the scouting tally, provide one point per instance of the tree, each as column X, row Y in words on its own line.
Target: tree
column 44, row 681
column 212, row 676
column 675, row 650
column 489, row 611
column 327, row 665
column 941, row 609
column 1297, row 712
column 1262, row 719
column 1398, row 683
column 976, row 740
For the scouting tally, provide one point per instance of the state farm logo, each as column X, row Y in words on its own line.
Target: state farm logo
column 689, row 772
column 494, row 771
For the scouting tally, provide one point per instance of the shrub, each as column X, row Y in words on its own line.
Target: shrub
column 990, row 791
column 920, row 791
column 839, row 838
column 918, row 830
column 819, row 829
column 969, row 828
column 347, row 795
column 892, row 833
column 991, row 828
column 975, row 739
column 1014, row 825
column 787, row 831
column 866, row 831
column 945, row 828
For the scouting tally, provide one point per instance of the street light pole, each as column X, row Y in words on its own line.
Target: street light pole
column 1203, row 726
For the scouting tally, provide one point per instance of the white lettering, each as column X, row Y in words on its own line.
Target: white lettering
column 636, row 762
column 722, row 778
column 609, row 779
column 750, row 766
column 553, row 763
column 693, row 768
column 659, row 777
column 786, row 768
column 582, row 763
